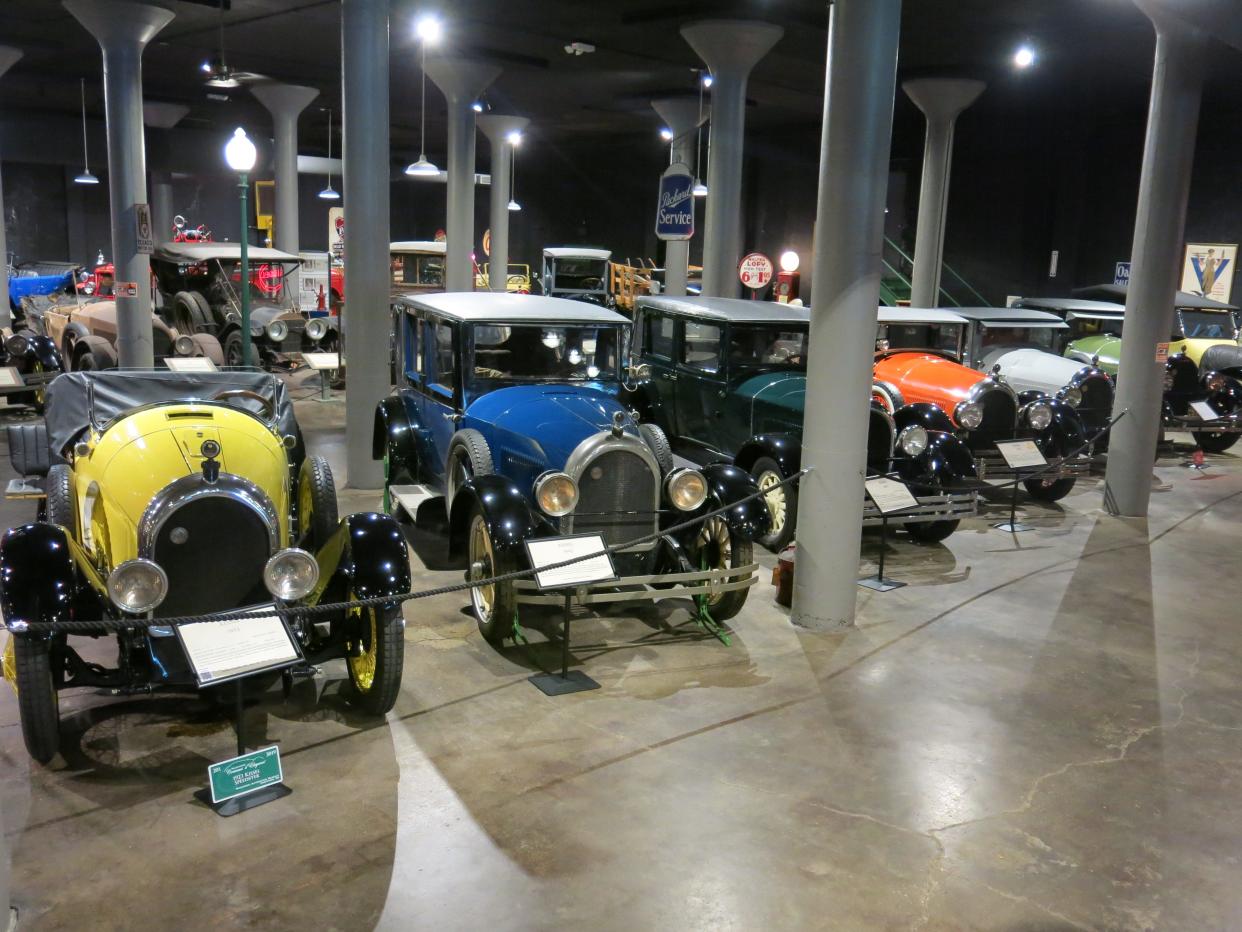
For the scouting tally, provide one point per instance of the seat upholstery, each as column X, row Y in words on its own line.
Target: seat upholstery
column 28, row 450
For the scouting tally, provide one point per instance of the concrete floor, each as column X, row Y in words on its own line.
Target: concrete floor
column 1037, row 733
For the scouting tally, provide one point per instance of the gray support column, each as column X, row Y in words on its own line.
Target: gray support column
column 941, row 100
column 364, row 95
column 1164, row 186
column 8, row 56
column 730, row 49
column 681, row 116
column 123, row 29
column 849, row 235
column 462, row 81
column 162, row 116
column 285, row 102
column 497, row 129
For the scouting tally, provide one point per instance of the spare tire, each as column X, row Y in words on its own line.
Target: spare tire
column 191, row 313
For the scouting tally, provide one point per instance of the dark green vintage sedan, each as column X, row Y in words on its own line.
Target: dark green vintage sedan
column 725, row 380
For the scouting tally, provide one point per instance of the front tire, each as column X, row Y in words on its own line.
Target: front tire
column 375, row 655
column 720, row 547
column 317, row 510
column 932, row 532
column 37, row 701
column 1213, row 441
column 1049, row 490
column 782, row 502
column 233, row 355
column 494, row 606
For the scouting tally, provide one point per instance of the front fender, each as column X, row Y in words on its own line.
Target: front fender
column 946, row 463
column 393, row 436
column 1228, row 398
column 42, row 349
column 46, row 576
column 505, row 508
column 366, row 557
column 925, row 415
column 727, row 484
column 1063, row 435
column 785, row 449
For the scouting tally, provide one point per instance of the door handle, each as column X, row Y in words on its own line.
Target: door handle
column 452, row 417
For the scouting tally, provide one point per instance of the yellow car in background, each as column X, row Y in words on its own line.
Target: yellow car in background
column 171, row 495
column 517, row 283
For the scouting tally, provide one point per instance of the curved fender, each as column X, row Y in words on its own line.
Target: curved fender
column 505, row 508
column 947, row 462
column 44, row 350
column 393, row 436
column 46, row 576
column 1025, row 398
column 926, row 415
column 726, row 484
column 1061, row 437
column 367, row 555
column 785, row 449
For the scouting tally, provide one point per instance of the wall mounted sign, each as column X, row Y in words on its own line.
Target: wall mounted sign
column 336, row 231
column 675, row 206
column 1162, row 353
column 143, row 229
column 1121, row 274
column 755, row 270
column 1208, row 269
column 314, row 282
column 125, row 289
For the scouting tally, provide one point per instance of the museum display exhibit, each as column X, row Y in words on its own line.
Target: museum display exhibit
column 620, row 465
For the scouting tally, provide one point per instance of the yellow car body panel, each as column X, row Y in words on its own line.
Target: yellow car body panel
column 142, row 452
column 1195, row 349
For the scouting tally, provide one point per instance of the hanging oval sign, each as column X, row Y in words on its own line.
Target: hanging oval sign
column 755, row 270
column 675, row 209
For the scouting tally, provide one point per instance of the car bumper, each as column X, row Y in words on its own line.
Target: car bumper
column 1222, row 425
column 993, row 468
column 951, row 506
column 639, row 588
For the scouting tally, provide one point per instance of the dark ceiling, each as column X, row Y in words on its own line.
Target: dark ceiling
column 1091, row 52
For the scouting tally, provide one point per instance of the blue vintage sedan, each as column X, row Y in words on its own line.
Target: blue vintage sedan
column 507, row 405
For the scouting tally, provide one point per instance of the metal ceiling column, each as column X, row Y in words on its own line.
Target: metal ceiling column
column 497, row 129
column 853, row 181
column 730, row 49
column 285, row 102
column 941, row 100
column 364, row 96
column 681, row 116
column 8, row 56
column 123, row 29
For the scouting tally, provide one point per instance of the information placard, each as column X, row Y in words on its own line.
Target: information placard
column 220, row 651
column 1204, row 410
column 10, row 378
column 238, row 776
column 1162, row 353
column 549, row 551
column 320, row 361
column 190, row 364
column 143, row 232
column 1021, row 454
column 314, row 283
column 890, row 495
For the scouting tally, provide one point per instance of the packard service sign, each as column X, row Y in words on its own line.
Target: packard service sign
column 675, row 211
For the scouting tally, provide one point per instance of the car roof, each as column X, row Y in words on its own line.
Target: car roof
column 1102, row 308
column 201, row 252
column 919, row 315
column 417, row 245
column 580, row 252
column 735, row 310
column 502, row 307
column 1186, row 299
column 1010, row 315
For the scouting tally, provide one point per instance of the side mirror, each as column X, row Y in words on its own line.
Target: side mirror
column 640, row 372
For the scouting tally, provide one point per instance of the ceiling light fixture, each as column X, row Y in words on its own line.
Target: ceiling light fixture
column 477, row 106
column 707, row 79
column 666, row 134
column 513, row 204
column 330, row 193
column 700, row 189
column 514, row 138
column 1024, row 57
column 429, row 30
column 86, row 177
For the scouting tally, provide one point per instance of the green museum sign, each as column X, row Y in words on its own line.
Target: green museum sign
column 241, row 775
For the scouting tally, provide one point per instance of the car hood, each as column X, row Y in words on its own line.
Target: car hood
column 926, row 377
column 1196, row 348
column 1035, row 370
column 1106, row 347
column 543, row 424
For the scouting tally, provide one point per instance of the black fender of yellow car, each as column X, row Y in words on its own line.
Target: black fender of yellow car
column 46, row 576
column 44, row 350
column 507, row 511
column 393, row 435
column 366, row 558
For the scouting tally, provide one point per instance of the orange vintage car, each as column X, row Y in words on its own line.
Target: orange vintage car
column 916, row 365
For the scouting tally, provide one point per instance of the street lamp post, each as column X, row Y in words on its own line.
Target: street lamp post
column 240, row 155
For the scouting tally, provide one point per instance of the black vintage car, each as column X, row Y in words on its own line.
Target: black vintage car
column 37, row 361
column 725, row 379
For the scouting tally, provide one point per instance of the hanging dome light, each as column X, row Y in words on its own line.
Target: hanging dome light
column 86, row 177
column 699, row 189
column 421, row 167
column 514, row 205
column 330, row 193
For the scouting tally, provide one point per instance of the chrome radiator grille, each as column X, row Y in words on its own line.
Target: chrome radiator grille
column 616, row 492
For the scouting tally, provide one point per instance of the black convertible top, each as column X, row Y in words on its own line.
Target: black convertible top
column 70, row 404
column 1184, row 299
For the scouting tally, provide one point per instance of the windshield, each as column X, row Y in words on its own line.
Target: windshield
column 768, row 347
column 267, row 281
column 547, row 353
column 1043, row 338
column 409, row 269
column 946, row 338
column 1209, row 325
column 585, row 274
column 1093, row 326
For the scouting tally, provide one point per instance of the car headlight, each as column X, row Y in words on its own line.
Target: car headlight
column 686, row 488
column 137, row 586
column 277, row 330
column 1168, row 380
column 969, row 414
column 556, row 493
column 1215, row 382
column 912, row 440
column 316, row 328
column 291, row 574
column 17, row 345
column 183, row 346
column 1039, row 415
column 1072, row 397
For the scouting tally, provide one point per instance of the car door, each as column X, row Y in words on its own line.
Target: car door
column 700, row 382
column 408, row 343
column 441, row 390
column 658, row 345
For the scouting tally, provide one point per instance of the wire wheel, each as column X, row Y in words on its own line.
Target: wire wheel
column 375, row 655
column 718, row 547
column 782, row 502
column 362, row 664
column 495, row 605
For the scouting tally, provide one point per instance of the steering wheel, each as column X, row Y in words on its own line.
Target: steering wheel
column 269, row 406
column 590, row 284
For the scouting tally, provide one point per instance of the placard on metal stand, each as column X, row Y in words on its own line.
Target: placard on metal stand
column 890, row 497
column 221, row 652
column 1018, row 455
column 324, row 364
column 597, row 567
column 190, row 364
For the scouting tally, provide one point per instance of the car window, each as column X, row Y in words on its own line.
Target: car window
column 767, row 347
column 658, row 339
column 700, row 348
column 1043, row 338
column 1206, row 325
column 943, row 337
column 412, row 353
column 546, row 353
column 440, row 355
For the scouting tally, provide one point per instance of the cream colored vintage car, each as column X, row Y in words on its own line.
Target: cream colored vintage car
column 85, row 334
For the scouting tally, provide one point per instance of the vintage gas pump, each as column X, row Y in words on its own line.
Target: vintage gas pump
column 787, row 278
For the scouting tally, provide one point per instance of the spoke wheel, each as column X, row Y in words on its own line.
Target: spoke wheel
column 37, row 700
column 375, row 655
column 719, row 547
column 494, row 606
column 782, row 502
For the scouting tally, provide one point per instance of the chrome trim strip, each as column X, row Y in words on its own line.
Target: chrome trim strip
column 194, row 487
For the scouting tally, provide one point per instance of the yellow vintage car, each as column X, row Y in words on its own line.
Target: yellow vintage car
column 170, row 495
column 518, row 281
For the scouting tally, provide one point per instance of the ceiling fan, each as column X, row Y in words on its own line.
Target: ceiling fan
column 219, row 74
